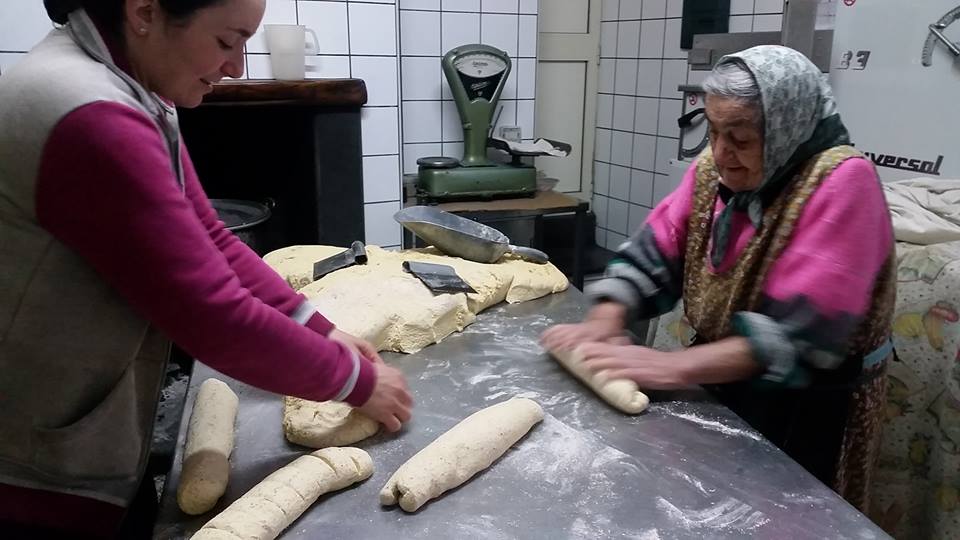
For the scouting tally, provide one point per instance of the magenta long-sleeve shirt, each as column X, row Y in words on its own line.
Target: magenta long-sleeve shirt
column 106, row 190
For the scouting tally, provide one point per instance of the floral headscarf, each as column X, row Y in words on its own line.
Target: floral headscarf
column 800, row 120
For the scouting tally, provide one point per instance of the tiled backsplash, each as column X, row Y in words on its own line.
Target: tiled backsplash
column 395, row 46
column 641, row 65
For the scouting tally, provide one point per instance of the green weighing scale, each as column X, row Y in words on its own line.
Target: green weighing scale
column 476, row 75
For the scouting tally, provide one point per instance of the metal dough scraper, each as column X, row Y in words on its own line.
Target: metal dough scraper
column 439, row 278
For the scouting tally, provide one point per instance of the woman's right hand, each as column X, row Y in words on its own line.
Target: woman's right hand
column 390, row 402
column 604, row 322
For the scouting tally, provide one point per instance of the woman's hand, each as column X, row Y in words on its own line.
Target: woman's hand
column 360, row 346
column 727, row 360
column 649, row 368
column 390, row 402
column 605, row 321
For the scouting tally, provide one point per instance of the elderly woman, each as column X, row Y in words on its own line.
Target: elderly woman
column 779, row 242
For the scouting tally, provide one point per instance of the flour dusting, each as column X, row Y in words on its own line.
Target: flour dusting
column 559, row 455
column 693, row 481
column 715, row 426
column 729, row 514
column 800, row 498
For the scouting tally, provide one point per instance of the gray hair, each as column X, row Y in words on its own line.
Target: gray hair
column 733, row 80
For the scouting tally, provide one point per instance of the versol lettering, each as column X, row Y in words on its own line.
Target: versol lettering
column 906, row 163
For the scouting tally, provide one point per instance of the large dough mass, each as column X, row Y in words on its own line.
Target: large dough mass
column 394, row 310
column 454, row 457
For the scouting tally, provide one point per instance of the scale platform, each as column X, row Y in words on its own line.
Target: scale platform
column 490, row 182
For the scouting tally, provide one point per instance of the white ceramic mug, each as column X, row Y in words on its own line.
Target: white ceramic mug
column 288, row 48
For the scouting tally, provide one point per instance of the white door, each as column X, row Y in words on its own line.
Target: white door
column 566, row 106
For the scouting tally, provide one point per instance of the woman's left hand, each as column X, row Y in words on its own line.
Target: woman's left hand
column 360, row 346
column 649, row 368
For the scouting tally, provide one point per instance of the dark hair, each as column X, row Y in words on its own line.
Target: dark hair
column 110, row 12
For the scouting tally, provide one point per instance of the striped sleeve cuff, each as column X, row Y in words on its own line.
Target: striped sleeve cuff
column 363, row 383
column 308, row 316
column 772, row 348
column 616, row 289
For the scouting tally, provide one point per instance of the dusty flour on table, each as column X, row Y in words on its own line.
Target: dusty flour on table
column 730, row 514
column 713, row 425
column 559, row 454
column 692, row 481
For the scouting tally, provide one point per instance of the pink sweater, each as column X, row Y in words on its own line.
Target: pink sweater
column 106, row 190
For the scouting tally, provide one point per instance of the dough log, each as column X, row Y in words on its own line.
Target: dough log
column 206, row 457
column 622, row 394
column 324, row 424
column 468, row 448
column 279, row 499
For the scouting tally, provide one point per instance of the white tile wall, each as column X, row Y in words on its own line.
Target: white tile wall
column 767, row 23
column 380, row 127
column 651, row 38
column 380, row 179
column 768, row 6
column 381, row 229
column 645, row 118
column 630, row 9
column 741, row 7
column 379, row 73
column 458, row 29
column 654, row 9
column 610, row 10
column 472, row 6
column 425, row 40
column 420, row 4
column 500, row 31
column 619, row 182
column 624, row 111
column 327, row 19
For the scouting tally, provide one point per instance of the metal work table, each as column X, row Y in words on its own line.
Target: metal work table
column 686, row 468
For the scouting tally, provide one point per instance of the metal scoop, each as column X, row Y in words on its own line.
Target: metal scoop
column 462, row 237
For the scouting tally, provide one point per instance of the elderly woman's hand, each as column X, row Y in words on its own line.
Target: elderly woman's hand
column 649, row 368
column 603, row 322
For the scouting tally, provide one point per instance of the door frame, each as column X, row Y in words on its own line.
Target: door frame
column 557, row 47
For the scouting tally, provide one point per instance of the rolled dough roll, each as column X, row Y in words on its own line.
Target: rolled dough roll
column 279, row 499
column 206, row 457
column 323, row 424
column 468, row 448
column 620, row 393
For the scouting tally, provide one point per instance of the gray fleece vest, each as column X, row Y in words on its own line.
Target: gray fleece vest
column 80, row 372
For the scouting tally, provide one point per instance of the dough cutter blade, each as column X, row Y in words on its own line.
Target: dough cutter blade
column 439, row 278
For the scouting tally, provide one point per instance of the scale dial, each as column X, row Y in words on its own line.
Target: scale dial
column 480, row 65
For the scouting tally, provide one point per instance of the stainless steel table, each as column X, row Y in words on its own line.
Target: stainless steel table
column 686, row 468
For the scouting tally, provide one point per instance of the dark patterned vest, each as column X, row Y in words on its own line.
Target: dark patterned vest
column 712, row 298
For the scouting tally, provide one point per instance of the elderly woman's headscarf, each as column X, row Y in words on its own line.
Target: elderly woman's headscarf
column 800, row 120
